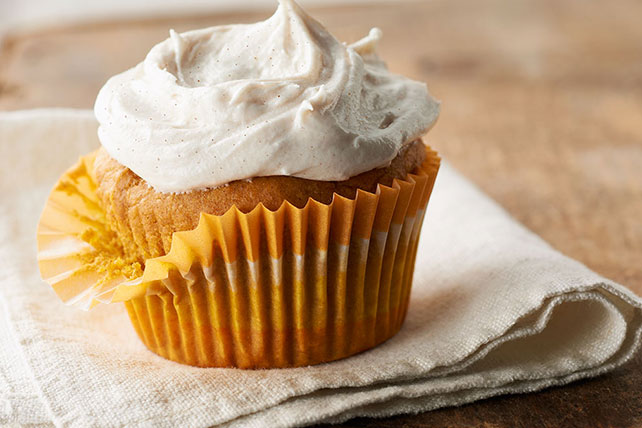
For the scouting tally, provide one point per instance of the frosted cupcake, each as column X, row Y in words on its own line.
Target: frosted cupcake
column 257, row 199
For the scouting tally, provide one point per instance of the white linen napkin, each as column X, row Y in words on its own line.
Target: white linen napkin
column 494, row 310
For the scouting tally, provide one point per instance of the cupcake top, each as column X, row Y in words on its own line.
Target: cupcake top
column 279, row 97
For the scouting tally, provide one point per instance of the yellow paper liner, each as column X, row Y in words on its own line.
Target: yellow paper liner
column 284, row 288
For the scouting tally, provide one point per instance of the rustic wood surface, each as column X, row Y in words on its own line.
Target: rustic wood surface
column 542, row 108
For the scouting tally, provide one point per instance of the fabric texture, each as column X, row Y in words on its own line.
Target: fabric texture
column 494, row 310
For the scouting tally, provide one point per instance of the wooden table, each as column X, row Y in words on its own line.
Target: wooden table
column 542, row 108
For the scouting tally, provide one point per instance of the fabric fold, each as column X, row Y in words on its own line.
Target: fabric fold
column 494, row 310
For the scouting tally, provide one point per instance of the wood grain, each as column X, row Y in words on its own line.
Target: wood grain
column 542, row 108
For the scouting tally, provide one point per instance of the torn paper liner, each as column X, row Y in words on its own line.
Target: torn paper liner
column 265, row 289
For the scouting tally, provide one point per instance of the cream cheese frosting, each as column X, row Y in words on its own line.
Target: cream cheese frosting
column 278, row 97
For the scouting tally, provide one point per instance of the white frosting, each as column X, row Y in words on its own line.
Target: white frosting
column 279, row 97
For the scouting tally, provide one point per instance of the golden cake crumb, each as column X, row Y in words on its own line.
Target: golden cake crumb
column 108, row 255
column 146, row 219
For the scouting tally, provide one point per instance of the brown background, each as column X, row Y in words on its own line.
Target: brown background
column 542, row 108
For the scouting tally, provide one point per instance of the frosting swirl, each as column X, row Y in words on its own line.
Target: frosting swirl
column 278, row 97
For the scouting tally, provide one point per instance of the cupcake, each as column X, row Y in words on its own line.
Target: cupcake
column 257, row 199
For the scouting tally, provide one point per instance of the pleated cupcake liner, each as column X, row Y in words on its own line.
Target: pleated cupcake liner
column 264, row 289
